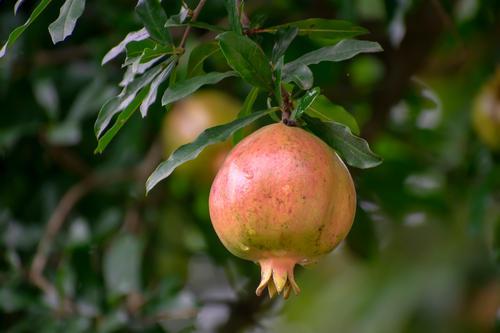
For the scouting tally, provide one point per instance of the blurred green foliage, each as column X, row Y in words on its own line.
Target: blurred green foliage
column 424, row 251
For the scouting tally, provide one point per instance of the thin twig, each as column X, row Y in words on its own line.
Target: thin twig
column 71, row 198
column 196, row 13
column 254, row 31
column 56, row 221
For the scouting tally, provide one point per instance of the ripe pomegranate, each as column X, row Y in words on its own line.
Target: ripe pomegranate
column 188, row 118
column 282, row 197
column 486, row 115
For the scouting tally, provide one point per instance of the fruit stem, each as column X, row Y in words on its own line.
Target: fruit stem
column 287, row 108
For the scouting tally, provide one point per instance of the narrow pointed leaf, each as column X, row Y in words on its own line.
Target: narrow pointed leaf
column 122, row 101
column 132, row 36
column 246, row 109
column 197, row 57
column 345, row 49
column 233, row 16
column 246, row 58
column 191, row 150
column 285, row 37
column 324, row 29
column 120, row 121
column 325, row 110
column 354, row 150
column 136, row 48
column 17, row 32
column 185, row 88
column 157, row 52
column 153, row 89
column 154, row 18
column 305, row 102
column 137, row 67
column 63, row 26
column 302, row 76
column 278, row 70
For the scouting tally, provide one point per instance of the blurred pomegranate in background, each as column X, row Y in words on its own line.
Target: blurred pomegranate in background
column 188, row 118
column 486, row 113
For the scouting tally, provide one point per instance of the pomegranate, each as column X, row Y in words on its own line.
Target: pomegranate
column 187, row 119
column 282, row 197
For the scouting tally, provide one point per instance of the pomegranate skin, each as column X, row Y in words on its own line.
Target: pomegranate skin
column 282, row 197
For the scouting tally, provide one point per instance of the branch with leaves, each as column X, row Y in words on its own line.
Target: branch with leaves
column 151, row 66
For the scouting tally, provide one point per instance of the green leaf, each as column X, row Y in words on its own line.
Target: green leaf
column 273, row 115
column 197, row 24
column 144, row 51
column 153, row 17
column 149, row 54
column 63, row 26
column 247, row 58
column 325, row 110
column 345, row 49
column 136, row 66
column 135, row 49
column 180, row 17
column 285, row 37
column 302, row 76
column 278, row 68
column 324, row 29
column 17, row 32
column 305, row 102
column 354, row 150
column 140, row 82
column 153, row 89
column 199, row 54
column 233, row 16
column 185, row 88
column 191, row 150
column 246, row 109
column 122, row 265
column 134, row 36
column 119, row 103
column 120, row 121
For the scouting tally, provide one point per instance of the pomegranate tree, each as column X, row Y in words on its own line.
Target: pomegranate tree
column 282, row 197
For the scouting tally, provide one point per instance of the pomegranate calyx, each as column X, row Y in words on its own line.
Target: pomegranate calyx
column 278, row 276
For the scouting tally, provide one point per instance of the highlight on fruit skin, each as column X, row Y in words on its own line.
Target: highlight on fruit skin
column 486, row 112
column 282, row 197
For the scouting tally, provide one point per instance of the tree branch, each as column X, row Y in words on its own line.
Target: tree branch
column 196, row 13
column 72, row 197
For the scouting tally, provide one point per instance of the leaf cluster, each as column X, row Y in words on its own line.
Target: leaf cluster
column 152, row 60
